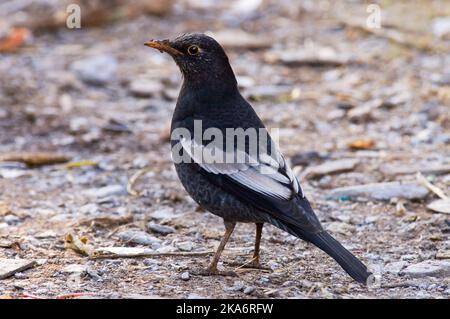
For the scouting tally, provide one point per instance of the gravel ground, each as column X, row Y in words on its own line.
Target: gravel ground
column 376, row 98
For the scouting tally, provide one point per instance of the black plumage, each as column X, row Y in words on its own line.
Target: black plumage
column 238, row 192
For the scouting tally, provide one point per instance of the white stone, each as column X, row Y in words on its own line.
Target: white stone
column 8, row 267
column 395, row 267
column 381, row 191
column 428, row 268
column 97, row 70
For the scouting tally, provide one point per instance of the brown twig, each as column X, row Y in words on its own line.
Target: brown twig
column 439, row 192
column 150, row 254
column 133, row 180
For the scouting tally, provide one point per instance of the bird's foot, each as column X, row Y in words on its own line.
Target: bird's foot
column 252, row 264
column 214, row 272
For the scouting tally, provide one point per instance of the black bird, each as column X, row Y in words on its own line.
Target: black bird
column 261, row 189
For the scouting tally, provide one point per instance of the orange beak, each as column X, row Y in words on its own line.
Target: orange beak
column 163, row 46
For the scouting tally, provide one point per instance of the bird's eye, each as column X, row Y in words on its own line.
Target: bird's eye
column 193, row 50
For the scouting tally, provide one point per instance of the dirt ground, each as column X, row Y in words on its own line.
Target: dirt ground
column 335, row 89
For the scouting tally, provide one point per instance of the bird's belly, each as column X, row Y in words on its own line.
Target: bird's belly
column 215, row 199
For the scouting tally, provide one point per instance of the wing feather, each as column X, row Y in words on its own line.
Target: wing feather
column 267, row 176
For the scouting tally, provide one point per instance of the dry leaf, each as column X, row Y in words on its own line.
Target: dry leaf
column 440, row 206
column 78, row 244
column 14, row 40
column 107, row 221
column 362, row 144
column 4, row 209
column 34, row 158
column 9, row 244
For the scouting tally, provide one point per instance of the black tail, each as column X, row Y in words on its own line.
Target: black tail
column 352, row 265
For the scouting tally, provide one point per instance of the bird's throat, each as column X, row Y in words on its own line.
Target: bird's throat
column 210, row 87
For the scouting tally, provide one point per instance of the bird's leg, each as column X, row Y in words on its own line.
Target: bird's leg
column 229, row 227
column 254, row 263
column 212, row 269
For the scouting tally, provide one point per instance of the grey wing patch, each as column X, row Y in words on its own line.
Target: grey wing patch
column 292, row 178
column 208, row 157
column 289, row 174
column 261, row 183
column 262, row 176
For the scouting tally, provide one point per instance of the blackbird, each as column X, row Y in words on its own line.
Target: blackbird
column 235, row 182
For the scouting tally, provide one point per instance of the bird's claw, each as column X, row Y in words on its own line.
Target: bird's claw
column 251, row 265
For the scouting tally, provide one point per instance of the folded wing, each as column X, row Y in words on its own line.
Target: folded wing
column 264, row 180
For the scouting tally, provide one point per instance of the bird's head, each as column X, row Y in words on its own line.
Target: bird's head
column 199, row 57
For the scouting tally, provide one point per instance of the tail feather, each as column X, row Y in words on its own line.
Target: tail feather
column 352, row 265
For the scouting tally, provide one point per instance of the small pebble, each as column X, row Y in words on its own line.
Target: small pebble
column 163, row 213
column 11, row 219
column 409, row 257
column 145, row 88
column 185, row 276
column 105, row 191
column 139, row 237
column 163, row 230
column 87, row 209
column 97, row 70
column 273, row 265
column 75, row 268
column 140, row 162
column 249, row 290
column 395, row 267
column 20, row 275
column 237, row 286
column 185, row 246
